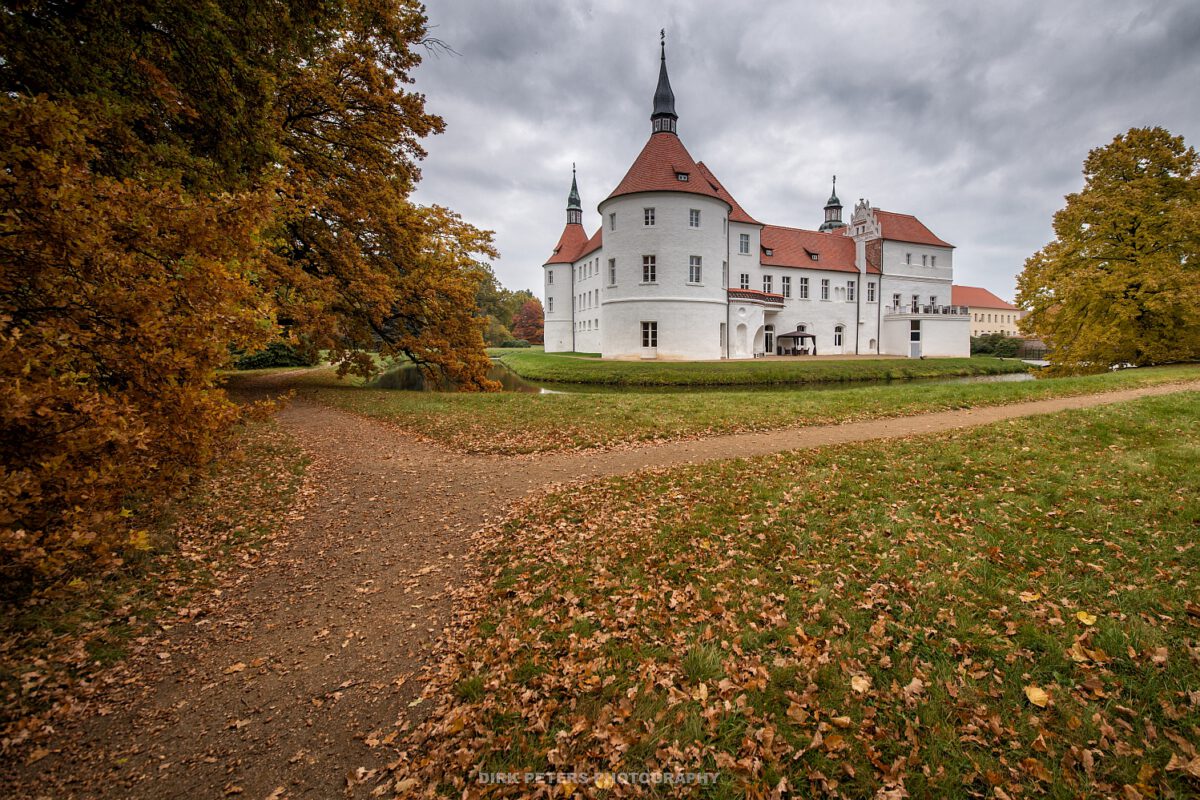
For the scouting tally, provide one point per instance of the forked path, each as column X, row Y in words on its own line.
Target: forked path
column 292, row 686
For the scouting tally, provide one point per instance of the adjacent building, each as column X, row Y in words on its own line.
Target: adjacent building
column 678, row 269
column 989, row 314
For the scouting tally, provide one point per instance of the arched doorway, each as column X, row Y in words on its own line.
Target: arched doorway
column 739, row 343
column 769, row 340
column 839, row 336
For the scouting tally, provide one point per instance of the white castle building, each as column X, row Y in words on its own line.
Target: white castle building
column 679, row 270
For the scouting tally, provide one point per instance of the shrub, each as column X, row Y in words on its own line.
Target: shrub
column 513, row 343
column 277, row 354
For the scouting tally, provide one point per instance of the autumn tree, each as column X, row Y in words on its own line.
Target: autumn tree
column 180, row 182
column 1120, row 283
column 530, row 322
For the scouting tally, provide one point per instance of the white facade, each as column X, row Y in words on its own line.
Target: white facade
column 678, row 270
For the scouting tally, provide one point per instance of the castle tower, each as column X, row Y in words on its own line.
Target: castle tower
column 833, row 211
column 560, row 274
column 665, row 247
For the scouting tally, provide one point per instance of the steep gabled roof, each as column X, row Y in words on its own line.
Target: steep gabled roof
column 657, row 167
column 794, row 247
column 978, row 297
column 737, row 214
column 593, row 244
column 570, row 245
column 906, row 228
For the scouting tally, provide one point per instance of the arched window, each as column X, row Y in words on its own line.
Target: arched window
column 837, row 335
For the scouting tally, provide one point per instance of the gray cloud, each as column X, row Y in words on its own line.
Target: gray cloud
column 974, row 117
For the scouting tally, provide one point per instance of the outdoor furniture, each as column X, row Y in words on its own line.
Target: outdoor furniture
column 800, row 339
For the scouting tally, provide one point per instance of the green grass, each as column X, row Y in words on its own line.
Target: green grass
column 867, row 614
column 524, row 423
column 571, row 368
column 496, row 352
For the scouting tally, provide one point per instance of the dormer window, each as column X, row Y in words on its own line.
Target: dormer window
column 814, row 256
column 681, row 176
column 768, row 251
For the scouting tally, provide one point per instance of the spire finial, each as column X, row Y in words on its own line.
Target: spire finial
column 574, row 207
column 663, row 118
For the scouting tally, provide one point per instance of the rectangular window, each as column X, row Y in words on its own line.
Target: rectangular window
column 744, row 281
column 649, row 269
column 804, row 288
column 694, row 218
column 870, row 291
column 649, row 334
column 744, row 244
column 916, row 303
column 724, row 274
column 612, row 272
column 933, row 299
column 824, row 288
column 933, row 261
column 785, row 285
column 851, row 291
column 550, row 304
column 612, row 221
column 549, row 278
column 767, row 280
column 908, row 258
column 693, row 269
column 896, row 301
column 648, row 217
column 914, row 330
column 924, row 261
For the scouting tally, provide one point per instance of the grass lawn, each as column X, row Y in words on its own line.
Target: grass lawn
column 496, row 352
column 1003, row 612
column 571, row 368
column 525, row 423
column 52, row 647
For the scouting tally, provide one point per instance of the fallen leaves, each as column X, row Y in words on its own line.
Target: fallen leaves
column 1037, row 696
column 1085, row 617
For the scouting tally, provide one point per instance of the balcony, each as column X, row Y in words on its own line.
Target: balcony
column 754, row 296
column 916, row 309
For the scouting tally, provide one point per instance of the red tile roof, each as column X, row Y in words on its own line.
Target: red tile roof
column 978, row 297
column 754, row 294
column 593, row 244
column 906, row 228
column 793, row 247
column 657, row 166
column 570, row 245
column 737, row 214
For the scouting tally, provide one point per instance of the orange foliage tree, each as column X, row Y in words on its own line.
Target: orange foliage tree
column 185, row 181
column 530, row 322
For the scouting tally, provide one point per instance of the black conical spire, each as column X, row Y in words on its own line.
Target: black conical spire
column 664, row 117
column 574, row 207
column 833, row 211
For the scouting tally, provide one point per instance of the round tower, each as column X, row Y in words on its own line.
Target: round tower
column 665, row 247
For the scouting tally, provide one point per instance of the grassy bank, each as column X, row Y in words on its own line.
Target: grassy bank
column 572, row 369
column 524, row 423
column 53, row 647
column 1005, row 612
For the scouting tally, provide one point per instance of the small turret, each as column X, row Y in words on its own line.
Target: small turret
column 664, row 117
column 833, row 211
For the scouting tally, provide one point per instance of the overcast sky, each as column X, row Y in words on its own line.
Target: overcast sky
column 975, row 117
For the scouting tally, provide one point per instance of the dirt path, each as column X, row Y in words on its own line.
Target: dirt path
column 332, row 627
